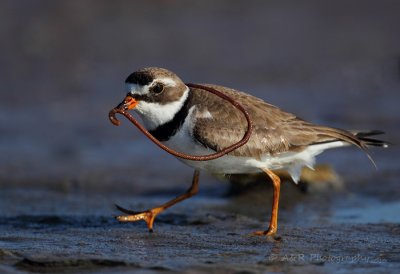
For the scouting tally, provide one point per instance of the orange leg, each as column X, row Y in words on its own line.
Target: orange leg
column 273, row 224
column 149, row 215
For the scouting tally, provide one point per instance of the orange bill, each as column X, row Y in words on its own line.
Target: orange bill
column 129, row 102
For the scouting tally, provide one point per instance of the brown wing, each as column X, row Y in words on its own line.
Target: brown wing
column 275, row 131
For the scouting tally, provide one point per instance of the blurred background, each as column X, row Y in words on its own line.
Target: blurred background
column 63, row 66
column 63, row 164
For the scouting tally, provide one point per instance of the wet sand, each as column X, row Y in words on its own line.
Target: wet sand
column 327, row 230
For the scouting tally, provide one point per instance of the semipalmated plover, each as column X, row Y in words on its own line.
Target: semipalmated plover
column 194, row 121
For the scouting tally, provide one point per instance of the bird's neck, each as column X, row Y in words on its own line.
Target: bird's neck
column 163, row 121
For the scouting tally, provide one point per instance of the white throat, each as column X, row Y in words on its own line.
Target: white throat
column 155, row 114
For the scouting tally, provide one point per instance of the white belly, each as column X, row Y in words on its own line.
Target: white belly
column 227, row 165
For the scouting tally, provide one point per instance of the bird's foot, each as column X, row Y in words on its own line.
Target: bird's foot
column 148, row 216
column 263, row 233
column 270, row 233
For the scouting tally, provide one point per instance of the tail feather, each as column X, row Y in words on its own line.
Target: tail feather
column 363, row 136
column 342, row 135
column 368, row 133
column 361, row 139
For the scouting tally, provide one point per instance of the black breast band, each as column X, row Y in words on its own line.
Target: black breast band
column 166, row 131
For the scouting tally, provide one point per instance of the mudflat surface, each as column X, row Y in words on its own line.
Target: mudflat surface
column 63, row 165
column 52, row 231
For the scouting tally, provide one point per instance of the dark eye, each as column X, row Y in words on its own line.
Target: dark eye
column 157, row 88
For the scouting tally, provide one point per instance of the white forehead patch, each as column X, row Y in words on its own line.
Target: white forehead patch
column 136, row 89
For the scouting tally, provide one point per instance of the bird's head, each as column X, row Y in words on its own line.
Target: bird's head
column 156, row 94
